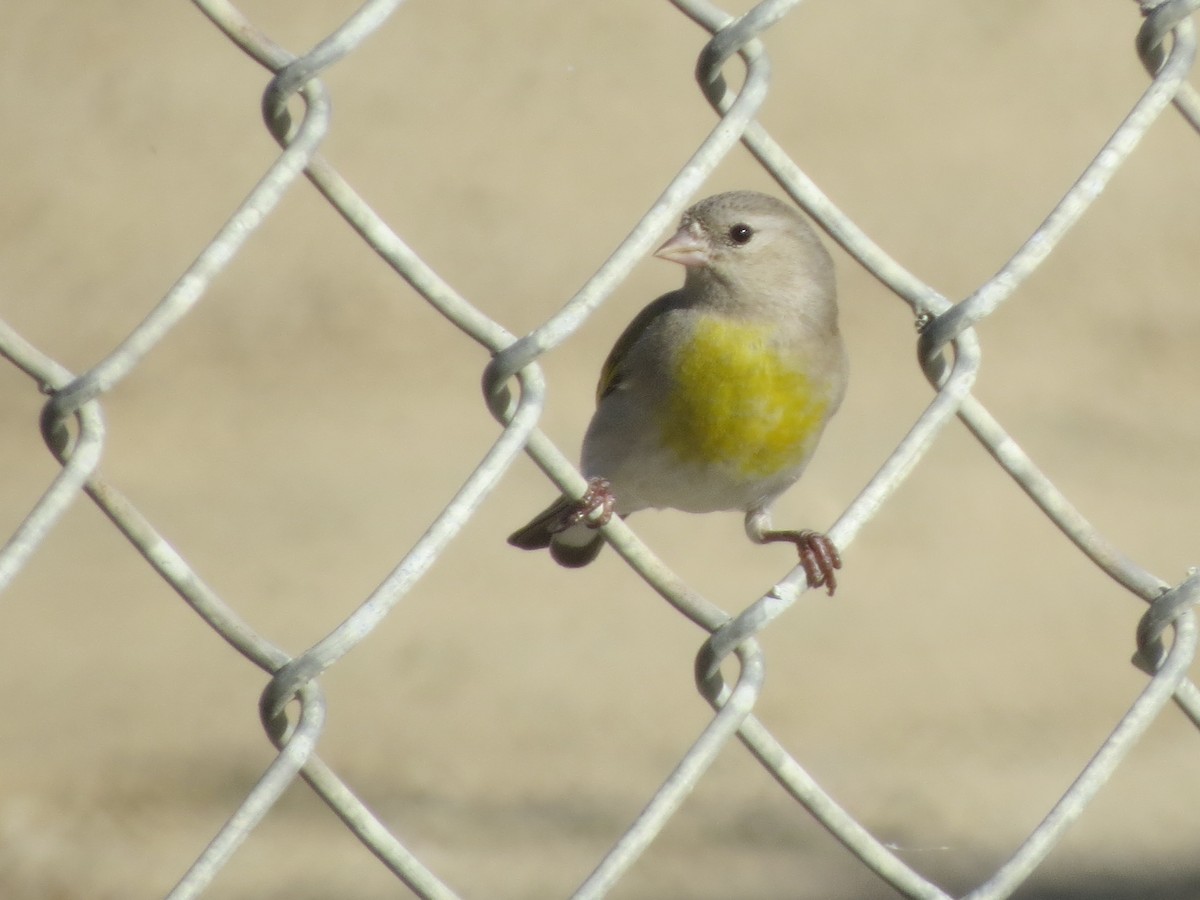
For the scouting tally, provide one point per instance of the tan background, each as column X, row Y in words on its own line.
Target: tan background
column 296, row 434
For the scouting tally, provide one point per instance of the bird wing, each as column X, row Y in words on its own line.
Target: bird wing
column 613, row 372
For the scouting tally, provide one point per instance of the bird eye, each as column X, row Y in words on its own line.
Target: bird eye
column 741, row 233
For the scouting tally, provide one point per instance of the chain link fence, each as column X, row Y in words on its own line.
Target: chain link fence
column 733, row 70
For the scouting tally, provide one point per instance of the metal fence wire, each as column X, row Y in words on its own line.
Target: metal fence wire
column 733, row 73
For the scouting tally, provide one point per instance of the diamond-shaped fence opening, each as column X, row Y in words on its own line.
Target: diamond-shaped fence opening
column 277, row 419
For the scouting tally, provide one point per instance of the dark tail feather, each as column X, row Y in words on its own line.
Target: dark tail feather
column 539, row 534
column 536, row 535
column 575, row 556
column 531, row 537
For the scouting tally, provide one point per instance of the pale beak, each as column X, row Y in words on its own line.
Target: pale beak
column 687, row 246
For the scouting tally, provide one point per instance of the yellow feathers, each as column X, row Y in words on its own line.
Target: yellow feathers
column 740, row 404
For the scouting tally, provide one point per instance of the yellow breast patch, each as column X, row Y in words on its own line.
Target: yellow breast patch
column 737, row 402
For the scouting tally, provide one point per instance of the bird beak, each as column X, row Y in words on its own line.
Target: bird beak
column 687, row 246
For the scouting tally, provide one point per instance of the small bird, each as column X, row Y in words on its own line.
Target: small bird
column 716, row 394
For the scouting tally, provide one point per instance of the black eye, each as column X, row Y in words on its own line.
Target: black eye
column 741, row 233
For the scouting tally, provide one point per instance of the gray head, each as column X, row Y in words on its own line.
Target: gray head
column 753, row 249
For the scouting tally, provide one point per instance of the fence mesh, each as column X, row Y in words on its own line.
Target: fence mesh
column 90, row 412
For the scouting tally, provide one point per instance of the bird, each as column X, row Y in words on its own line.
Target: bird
column 716, row 394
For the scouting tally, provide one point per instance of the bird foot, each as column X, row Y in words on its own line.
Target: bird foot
column 818, row 555
column 593, row 509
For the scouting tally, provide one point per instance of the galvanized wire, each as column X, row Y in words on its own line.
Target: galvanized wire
column 514, row 391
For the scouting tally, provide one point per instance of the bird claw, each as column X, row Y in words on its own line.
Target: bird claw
column 820, row 559
column 818, row 555
column 593, row 509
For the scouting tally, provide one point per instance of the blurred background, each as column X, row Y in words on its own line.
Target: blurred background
column 304, row 424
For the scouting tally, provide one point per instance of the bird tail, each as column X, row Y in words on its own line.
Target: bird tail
column 575, row 556
column 572, row 547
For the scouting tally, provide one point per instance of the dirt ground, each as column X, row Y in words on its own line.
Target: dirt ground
column 300, row 429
